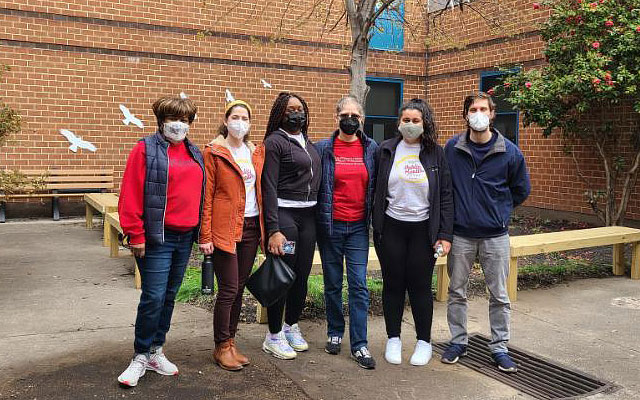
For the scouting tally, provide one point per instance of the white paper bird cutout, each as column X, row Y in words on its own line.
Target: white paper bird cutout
column 265, row 84
column 130, row 118
column 229, row 96
column 183, row 95
column 77, row 142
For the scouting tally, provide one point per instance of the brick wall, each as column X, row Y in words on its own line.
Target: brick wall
column 464, row 49
column 73, row 62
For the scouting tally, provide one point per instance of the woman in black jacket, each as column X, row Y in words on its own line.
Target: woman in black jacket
column 412, row 220
column 290, row 183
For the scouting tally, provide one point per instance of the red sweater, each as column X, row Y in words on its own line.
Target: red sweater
column 350, row 181
column 183, row 192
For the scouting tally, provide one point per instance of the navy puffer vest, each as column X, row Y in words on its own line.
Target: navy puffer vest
column 155, row 185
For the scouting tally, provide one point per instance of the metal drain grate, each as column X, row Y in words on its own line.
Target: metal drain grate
column 536, row 376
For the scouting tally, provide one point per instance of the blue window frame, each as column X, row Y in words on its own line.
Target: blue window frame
column 507, row 119
column 388, row 32
column 381, row 108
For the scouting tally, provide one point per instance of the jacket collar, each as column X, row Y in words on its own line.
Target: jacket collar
column 221, row 142
column 500, row 146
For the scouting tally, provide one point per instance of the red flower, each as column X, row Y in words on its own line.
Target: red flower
column 638, row 29
column 528, row 85
column 610, row 83
column 596, row 81
column 491, row 92
column 595, row 45
column 580, row 1
column 609, row 23
column 601, row 1
column 507, row 84
column 593, row 6
column 536, row 6
column 607, row 76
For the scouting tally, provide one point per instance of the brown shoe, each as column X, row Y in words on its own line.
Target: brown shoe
column 243, row 360
column 224, row 357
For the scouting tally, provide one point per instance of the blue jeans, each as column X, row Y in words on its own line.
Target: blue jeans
column 350, row 241
column 161, row 269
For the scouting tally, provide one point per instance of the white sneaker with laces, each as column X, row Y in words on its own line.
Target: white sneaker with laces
column 422, row 353
column 159, row 363
column 134, row 371
column 278, row 347
column 294, row 337
column 393, row 351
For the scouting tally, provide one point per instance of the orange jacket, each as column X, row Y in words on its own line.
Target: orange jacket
column 224, row 196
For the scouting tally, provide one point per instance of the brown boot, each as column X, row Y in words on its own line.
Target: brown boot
column 224, row 357
column 243, row 360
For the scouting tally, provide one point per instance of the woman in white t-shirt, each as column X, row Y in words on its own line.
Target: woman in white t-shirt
column 232, row 223
column 412, row 220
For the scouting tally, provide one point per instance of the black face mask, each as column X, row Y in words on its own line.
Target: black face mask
column 349, row 125
column 294, row 121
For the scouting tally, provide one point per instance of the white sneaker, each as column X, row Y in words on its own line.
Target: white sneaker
column 278, row 347
column 421, row 354
column 393, row 351
column 134, row 371
column 159, row 363
column 294, row 337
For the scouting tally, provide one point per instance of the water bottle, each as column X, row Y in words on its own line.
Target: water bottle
column 207, row 274
column 439, row 251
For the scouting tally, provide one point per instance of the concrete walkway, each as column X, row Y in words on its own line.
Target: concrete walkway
column 67, row 329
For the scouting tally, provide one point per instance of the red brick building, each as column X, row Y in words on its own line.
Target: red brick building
column 74, row 62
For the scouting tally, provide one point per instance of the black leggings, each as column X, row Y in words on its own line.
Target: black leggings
column 406, row 259
column 298, row 225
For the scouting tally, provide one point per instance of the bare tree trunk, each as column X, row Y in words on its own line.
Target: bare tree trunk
column 631, row 177
column 360, row 20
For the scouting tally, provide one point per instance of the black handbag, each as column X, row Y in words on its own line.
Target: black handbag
column 271, row 281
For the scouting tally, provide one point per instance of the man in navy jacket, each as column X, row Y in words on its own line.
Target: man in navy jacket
column 489, row 179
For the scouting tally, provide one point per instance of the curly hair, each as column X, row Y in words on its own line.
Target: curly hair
column 430, row 133
column 279, row 109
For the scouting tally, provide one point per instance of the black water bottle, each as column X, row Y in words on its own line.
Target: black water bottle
column 207, row 274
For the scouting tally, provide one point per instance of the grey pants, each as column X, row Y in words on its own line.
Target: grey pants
column 493, row 255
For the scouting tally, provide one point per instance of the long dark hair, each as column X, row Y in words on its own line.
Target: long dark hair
column 222, row 129
column 279, row 109
column 430, row 134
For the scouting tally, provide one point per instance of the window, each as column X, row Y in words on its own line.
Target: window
column 381, row 109
column 507, row 119
column 388, row 32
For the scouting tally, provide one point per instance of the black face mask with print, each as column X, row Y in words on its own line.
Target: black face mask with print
column 349, row 125
column 294, row 121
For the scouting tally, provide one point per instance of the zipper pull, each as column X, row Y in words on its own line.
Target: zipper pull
column 473, row 176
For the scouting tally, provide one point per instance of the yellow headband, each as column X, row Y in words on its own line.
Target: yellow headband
column 234, row 103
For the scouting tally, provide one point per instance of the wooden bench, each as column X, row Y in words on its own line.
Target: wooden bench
column 525, row 245
column 112, row 220
column 103, row 203
column 62, row 183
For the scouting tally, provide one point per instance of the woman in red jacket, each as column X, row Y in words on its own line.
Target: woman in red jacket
column 232, row 223
column 159, row 209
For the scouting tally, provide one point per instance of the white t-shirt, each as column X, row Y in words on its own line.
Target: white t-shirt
column 408, row 191
column 242, row 157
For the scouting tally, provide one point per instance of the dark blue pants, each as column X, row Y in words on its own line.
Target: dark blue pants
column 161, row 269
column 350, row 241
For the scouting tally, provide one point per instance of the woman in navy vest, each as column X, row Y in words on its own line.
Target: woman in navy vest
column 159, row 209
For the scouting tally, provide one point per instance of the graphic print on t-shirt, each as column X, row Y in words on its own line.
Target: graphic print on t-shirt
column 242, row 157
column 409, row 169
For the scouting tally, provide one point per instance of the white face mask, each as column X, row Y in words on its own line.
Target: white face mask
column 175, row 131
column 410, row 130
column 238, row 128
column 478, row 121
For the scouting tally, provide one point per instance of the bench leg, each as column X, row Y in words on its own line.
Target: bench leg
column 114, row 248
column 106, row 235
column 2, row 214
column 443, row 283
column 55, row 205
column 512, row 280
column 137, row 279
column 261, row 314
column 88, row 215
column 635, row 261
column 618, row 259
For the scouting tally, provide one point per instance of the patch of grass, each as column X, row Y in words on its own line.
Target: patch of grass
column 191, row 286
column 564, row 268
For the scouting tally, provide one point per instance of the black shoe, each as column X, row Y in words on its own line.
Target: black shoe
column 333, row 345
column 363, row 358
